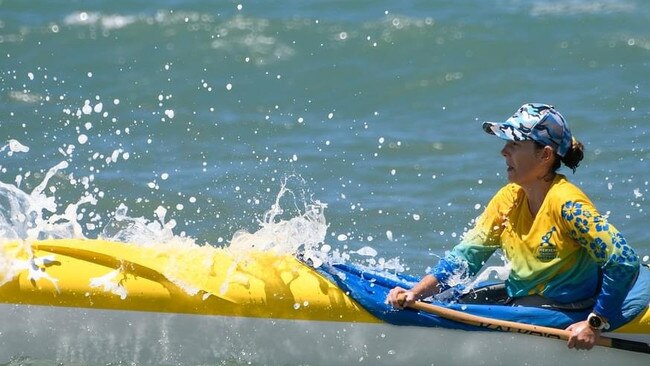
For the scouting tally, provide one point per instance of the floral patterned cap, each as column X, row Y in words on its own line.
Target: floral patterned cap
column 537, row 122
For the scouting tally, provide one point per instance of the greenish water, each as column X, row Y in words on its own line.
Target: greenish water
column 371, row 107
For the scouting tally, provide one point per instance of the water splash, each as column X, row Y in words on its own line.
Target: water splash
column 295, row 224
column 461, row 283
column 500, row 273
column 140, row 230
column 306, row 231
column 9, row 269
column 14, row 146
column 34, row 216
column 109, row 283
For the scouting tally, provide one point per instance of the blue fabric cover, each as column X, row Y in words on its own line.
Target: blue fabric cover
column 369, row 288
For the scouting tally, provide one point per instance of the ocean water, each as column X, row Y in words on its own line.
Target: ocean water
column 194, row 115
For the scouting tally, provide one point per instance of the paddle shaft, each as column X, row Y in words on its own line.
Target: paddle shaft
column 509, row 326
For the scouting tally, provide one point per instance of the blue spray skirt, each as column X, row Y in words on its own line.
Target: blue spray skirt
column 370, row 288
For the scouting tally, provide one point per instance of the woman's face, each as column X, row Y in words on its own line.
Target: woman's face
column 525, row 162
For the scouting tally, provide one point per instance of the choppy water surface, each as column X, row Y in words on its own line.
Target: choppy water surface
column 185, row 119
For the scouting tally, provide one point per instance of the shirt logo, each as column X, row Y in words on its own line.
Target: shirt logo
column 547, row 251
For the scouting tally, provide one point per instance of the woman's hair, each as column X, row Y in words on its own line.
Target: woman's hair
column 571, row 159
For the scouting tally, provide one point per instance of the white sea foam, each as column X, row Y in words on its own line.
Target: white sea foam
column 23, row 216
column 250, row 35
column 108, row 22
column 14, row 146
column 573, row 7
column 32, row 265
column 24, row 97
column 108, row 283
column 140, row 230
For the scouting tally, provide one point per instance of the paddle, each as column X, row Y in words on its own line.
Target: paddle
column 509, row 326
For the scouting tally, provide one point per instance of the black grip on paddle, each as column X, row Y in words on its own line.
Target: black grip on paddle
column 630, row 345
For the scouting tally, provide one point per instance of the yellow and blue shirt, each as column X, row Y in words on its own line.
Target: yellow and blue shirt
column 568, row 252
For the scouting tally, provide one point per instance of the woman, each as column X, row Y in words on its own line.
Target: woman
column 561, row 251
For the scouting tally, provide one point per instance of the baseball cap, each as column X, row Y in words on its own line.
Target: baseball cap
column 537, row 122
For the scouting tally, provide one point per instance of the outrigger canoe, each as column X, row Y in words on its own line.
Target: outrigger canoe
column 81, row 301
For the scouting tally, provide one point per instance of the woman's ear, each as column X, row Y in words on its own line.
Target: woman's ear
column 547, row 153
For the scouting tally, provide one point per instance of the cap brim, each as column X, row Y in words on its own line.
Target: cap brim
column 493, row 128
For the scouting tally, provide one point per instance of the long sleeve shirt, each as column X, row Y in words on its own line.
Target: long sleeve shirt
column 567, row 252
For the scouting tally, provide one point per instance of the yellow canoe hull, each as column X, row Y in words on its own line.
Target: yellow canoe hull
column 186, row 279
column 183, row 279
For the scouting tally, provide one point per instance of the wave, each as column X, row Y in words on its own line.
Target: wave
column 580, row 7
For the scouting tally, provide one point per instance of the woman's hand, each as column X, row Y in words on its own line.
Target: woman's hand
column 400, row 298
column 582, row 335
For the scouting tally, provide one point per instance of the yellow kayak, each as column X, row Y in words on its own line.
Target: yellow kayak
column 94, row 301
column 185, row 279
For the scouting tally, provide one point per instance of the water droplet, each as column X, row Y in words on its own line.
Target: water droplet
column 86, row 109
column 367, row 251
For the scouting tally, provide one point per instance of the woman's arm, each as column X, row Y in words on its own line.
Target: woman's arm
column 618, row 262
column 608, row 248
column 466, row 258
column 461, row 263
